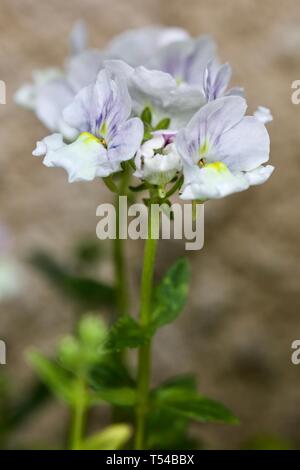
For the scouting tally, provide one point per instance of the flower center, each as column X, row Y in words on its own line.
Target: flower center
column 88, row 138
column 220, row 167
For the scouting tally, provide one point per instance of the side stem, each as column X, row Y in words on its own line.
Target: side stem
column 79, row 416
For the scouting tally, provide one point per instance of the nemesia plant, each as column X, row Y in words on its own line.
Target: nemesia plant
column 155, row 105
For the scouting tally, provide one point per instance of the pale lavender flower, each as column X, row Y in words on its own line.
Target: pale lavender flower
column 216, row 81
column 185, row 60
column 53, row 89
column 223, row 151
column 137, row 46
column 100, row 113
column 160, row 92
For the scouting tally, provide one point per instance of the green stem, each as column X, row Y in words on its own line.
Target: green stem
column 79, row 416
column 119, row 255
column 144, row 359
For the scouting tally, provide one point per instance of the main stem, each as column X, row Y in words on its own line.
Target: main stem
column 79, row 415
column 144, row 358
column 119, row 255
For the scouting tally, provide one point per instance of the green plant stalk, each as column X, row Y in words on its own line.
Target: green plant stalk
column 144, row 357
column 119, row 252
column 79, row 416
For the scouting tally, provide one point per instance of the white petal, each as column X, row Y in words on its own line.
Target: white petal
column 160, row 168
column 263, row 114
column 26, row 96
column 212, row 182
column 150, row 145
column 259, row 175
column 27, row 93
column 51, row 142
column 83, row 160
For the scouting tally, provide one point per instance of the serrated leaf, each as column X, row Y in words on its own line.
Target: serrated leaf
column 126, row 333
column 111, row 372
column 171, row 294
column 52, row 375
column 113, row 437
column 166, row 430
column 163, row 124
column 196, row 407
column 185, row 383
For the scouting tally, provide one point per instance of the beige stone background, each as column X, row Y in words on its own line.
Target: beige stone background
column 244, row 307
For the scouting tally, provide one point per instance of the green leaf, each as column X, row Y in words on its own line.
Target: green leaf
column 171, row 294
column 179, row 395
column 185, row 383
column 126, row 333
column 146, row 116
column 166, row 430
column 123, row 396
column 52, row 375
column 113, row 437
column 111, row 372
column 89, row 292
column 196, row 407
column 163, row 124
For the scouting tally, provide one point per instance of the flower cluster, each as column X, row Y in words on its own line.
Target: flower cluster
column 155, row 97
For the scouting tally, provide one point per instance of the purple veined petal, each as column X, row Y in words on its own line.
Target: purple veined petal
column 127, row 140
column 216, row 80
column 246, row 146
column 184, row 60
column 51, row 99
column 81, row 111
column 187, row 147
column 211, row 122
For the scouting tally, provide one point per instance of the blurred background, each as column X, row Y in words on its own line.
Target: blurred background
column 244, row 304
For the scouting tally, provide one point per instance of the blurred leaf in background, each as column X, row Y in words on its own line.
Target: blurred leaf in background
column 88, row 292
column 68, row 376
